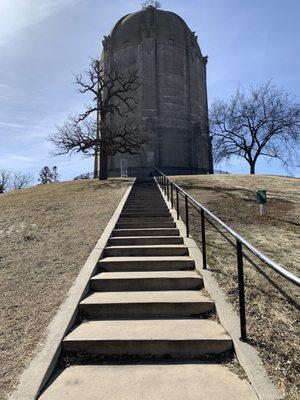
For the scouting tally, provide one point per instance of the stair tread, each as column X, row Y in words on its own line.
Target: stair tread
column 145, row 232
column 174, row 381
column 144, row 237
column 138, row 217
column 142, row 224
column 146, row 275
column 149, row 329
column 161, row 230
column 136, row 214
column 144, row 259
column 145, row 240
column 176, row 296
column 149, row 246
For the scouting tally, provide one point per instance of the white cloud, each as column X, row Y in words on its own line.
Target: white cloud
column 16, row 162
column 23, row 159
column 18, row 14
column 11, row 125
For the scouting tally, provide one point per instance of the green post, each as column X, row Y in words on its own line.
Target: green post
column 261, row 199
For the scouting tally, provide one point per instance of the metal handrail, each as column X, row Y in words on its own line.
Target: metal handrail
column 278, row 268
column 168, row 187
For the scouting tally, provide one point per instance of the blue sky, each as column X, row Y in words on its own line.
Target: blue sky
column 43, row 42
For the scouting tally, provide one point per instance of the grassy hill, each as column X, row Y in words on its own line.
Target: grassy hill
column 272, row 315
column 46, row 234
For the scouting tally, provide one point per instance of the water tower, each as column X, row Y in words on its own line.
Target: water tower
column 172, row 101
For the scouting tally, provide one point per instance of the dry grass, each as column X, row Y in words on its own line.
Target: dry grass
column 273, row 327
column 46, row 234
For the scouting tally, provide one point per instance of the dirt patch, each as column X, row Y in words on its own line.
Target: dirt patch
column 272, row 303
column 46, row 234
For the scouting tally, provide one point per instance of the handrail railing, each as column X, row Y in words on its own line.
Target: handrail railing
column 170, row 187
column 87, row 175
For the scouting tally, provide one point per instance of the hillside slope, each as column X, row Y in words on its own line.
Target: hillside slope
column 46, row 234
column 272, row 314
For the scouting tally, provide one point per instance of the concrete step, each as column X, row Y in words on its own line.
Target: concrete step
column 145, row 232
column 153, row 214
column 138, row 281
column 155, row 381
column 131, row 264
column 153, row 304
column 158, row 338
column 142, row 203
column 144, row 240
column 145, row 212
column 146, row 250
column 162, row 205
column 147, row 206
column 144, row 191
column 140, row 225
column 150, row 199
column 157, row 199
column 141, row 220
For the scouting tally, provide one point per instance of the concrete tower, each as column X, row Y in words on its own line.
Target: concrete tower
column 172, row 101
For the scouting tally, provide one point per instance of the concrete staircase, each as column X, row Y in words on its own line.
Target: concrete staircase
column 146, row 303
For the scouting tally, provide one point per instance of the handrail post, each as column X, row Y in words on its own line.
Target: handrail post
column 172, row 200
column 187, row 216
column 177, row 202
column 239, row 252
column 168, row 189
column 203, row 239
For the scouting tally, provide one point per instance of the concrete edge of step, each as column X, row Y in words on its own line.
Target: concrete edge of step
column 247, row 355
column 37, row 373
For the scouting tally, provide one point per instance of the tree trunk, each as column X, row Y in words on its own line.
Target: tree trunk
column 101, row 134
column 103, row 166
column 252, row 168
column 98, row 130
column 96, row 164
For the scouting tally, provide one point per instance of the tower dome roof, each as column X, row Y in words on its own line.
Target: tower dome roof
column 165, row 25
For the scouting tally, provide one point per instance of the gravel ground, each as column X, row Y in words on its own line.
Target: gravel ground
column 46, row 234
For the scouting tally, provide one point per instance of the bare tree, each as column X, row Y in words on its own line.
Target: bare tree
column 112, row 92
column 263, row 124
column 5, row 180
column 21, row 180
column 81, row 137
column 75, row 137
